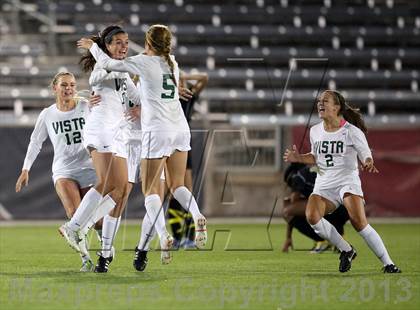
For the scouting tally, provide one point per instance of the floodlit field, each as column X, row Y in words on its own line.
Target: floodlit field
column 39, row 271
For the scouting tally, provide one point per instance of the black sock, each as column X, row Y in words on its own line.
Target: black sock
column 176, row 218
column 300, row 223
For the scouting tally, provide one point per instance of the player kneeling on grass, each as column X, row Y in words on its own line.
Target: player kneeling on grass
column 336, row 144
column 301, row 179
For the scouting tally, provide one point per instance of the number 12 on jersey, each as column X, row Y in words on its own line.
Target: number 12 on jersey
column 168, row 85
column 77, row 138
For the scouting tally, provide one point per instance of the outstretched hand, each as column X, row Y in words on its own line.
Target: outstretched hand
column 292, row 156
column 85, row 43
column 369, row 166
column 22, row 180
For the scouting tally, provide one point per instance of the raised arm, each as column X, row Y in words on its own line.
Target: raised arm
column 99, row 74
column 201, row 79
column 131, row 65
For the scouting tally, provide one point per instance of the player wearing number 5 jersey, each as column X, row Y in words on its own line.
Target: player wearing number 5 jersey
column 63, row 123
column 166, row 135
column 336, row 145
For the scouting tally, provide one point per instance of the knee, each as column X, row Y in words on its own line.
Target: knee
column 103, row 187
column 358, row 223
column 120, row 192
column 312, row 216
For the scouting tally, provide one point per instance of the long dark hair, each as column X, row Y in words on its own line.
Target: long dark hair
column 350, row 114
column 105, row 37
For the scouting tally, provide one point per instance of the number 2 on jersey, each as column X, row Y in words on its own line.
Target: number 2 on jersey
column 168, row 85
column 329, row 160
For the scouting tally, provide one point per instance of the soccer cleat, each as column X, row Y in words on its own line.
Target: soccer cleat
column 165, row 248
column 103, row 264
column 346, row 258
column 87, row 266
column 188, row 244
column 71, row 236
column 201, row 233
column 320, row 246
column 140, row 259
column 391, row 268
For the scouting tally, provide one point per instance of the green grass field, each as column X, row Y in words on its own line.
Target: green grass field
column 39, row 271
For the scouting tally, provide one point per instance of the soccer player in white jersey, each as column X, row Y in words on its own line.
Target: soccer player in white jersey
column 166, row 135
column 73, row 172
column 336, row 145
column 100, row 135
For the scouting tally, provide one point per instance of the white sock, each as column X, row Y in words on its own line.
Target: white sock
column 147, row 234
column 376, row 244
column 84, row 258
column 187, row 201
column 85, row 210
column 105, row 206
column 109, row 230
column 155, row 211
column 327, row 231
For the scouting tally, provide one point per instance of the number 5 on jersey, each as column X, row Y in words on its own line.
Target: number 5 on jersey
column 169, row 86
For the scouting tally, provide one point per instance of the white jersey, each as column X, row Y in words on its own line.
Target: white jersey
column 64, row 128
column 131, row 130
column 161, row 109
column 336, row 154
column 117, row 92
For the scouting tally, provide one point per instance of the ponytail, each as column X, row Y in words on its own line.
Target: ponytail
column 87, row 61
column 171, row 67
column 350, row 114
column 159, row 38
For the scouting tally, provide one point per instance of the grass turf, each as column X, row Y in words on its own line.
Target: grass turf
column 39, row 271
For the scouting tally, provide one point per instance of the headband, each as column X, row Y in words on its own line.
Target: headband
column 108, row 37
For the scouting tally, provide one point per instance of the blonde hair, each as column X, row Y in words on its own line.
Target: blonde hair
column 59, row 75
column 159, row 38
column 55, row 79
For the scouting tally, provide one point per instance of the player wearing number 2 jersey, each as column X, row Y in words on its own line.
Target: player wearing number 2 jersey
column 336, row 145
column 73, row 173
column 166, row 136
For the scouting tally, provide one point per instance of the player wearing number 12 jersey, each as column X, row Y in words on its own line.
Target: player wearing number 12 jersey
column 73, row 173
